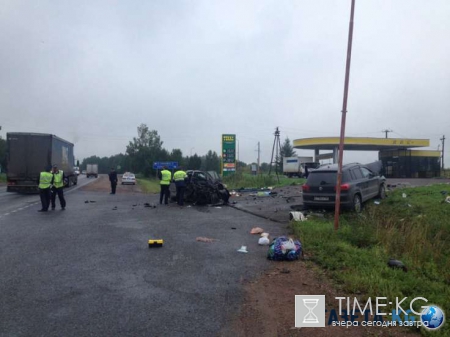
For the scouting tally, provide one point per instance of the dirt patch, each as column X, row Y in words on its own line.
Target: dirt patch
column 102, row 184
column 269, row 305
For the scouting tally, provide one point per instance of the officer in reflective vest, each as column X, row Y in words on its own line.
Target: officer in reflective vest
column 45, row 183
column 58, row 188
column 165, row 176
column 180, row 182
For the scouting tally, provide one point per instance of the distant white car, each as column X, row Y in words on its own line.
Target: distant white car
column 128, row 178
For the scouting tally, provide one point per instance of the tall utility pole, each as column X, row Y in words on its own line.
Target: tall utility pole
column 386, row 131
column 443, row 143
column 259, row 154
column 344, row 113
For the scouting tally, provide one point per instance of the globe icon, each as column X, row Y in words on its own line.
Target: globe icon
column 432, row 317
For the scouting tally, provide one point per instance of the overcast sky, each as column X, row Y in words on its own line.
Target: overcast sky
column 92, row 71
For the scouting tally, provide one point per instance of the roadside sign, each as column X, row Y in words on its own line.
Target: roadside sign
column 228, row 154
column 158, row 165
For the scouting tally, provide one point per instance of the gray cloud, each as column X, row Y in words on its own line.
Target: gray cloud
column 92, row 72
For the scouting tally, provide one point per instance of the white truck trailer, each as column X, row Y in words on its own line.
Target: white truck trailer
column 292, row 166
column 91, row 170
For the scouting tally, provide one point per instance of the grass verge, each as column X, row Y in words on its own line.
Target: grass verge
column 415, row 230
column 244, row 180
column 2, row 177
column 148, row 185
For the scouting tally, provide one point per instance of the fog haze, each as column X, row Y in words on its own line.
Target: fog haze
column 91, row 72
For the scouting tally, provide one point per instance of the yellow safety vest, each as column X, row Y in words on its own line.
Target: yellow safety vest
column 179, row 175
column 166, row 176
column 58, row 179
column 45, row 180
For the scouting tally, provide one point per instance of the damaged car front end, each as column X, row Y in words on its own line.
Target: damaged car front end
column 203, row 188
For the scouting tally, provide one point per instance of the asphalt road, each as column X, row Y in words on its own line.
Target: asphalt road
column 88, row 271
column 11, row 203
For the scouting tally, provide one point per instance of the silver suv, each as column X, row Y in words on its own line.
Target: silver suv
column 359, row 184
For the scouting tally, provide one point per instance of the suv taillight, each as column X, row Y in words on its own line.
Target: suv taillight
column 344, row 187
column 305, row 188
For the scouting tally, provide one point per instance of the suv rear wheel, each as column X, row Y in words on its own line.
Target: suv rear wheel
column 357, row 203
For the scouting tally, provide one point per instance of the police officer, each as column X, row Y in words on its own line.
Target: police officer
column 58, row 188
column 165, row 176
column 113, row 179
column 180, row 182
column 45, row 182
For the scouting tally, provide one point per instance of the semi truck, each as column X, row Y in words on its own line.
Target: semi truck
column 28, row 154
column 91, row 170
column 295, row 166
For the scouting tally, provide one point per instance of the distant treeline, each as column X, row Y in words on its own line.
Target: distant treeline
column 146, row 149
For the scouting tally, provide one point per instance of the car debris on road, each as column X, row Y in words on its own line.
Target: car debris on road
column 205, row 239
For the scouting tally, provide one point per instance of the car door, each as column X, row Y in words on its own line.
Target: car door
column 362, row 184
column 372, row 181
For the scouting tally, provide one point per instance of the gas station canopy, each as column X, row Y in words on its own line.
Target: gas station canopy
column 359, row 143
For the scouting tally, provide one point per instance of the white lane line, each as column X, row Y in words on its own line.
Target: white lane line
column 13, row 211
column 6, row 214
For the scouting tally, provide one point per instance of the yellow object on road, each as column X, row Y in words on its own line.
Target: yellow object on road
column 155, row 243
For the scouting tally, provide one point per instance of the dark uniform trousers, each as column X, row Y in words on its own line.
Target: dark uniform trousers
column 165, row 193
column 113, row 187
column 181, row 187
column 60, row 193
column 45, row 198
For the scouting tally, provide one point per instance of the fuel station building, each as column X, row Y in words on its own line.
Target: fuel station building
column 400, row 156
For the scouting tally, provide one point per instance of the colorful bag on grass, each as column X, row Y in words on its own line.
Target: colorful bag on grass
column 282, row 248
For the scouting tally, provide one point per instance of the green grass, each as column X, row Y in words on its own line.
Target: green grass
column 2, row 177
column 148, row 185
column 245, row 180
column 415, row 230
column 445, row 173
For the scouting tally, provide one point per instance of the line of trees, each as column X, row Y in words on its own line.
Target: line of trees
column 147, row 148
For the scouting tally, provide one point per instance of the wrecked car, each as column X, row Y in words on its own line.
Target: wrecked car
column 202, row 188
column 359, row 184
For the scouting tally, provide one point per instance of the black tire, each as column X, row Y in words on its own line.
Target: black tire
column 382, row 191
column 357, row 203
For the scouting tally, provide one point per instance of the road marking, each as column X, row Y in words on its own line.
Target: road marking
column 13, row 211
column 6, row 214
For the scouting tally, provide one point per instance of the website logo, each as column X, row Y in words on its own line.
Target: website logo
column 432, row 317
column 309, row 311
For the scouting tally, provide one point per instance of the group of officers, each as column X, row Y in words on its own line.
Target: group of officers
column 179, row 178
column 51, row 183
